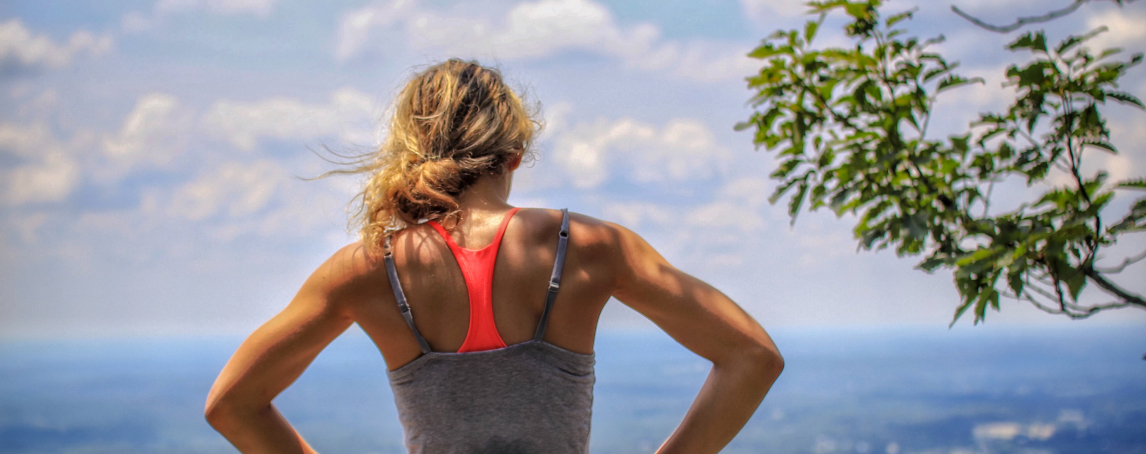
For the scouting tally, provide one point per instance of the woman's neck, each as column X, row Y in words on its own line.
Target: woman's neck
column 488, row 194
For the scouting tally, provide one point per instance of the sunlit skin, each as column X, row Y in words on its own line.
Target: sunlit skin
column 604, row 260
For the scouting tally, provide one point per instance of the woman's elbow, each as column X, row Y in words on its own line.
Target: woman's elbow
column 220, row 412
column 775, row 362
column 214, row 412
column 764, row 360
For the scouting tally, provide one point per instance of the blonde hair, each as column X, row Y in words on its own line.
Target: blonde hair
column 451, row 124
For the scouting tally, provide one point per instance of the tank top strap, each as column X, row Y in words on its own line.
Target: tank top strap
column 501, row 229
column 495, row 245
column 400, row 296
column 555, row 278
column 477, row 267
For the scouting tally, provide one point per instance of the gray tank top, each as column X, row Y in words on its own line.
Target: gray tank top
column 532, row 397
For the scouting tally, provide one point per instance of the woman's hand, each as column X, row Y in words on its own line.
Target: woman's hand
column 239, row 404
column 745, row 362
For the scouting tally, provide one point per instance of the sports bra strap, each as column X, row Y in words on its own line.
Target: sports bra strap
column 400, row 296
column 555, row 278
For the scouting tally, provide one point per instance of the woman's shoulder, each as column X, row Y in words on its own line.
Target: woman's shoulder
column 584, row 231
column 354, row 265
column 550, row 219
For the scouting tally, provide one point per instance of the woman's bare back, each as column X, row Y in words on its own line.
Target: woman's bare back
column 436, row 290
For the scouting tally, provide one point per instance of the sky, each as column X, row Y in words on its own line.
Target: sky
column 155, row 156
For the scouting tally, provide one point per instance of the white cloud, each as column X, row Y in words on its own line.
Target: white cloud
column 159, row 126
column 1124, row 26
column 50, row 179
column 717, row 234
column 556, row 119
column 753, row 192
column 726, row 216
column 26, row 227
column 636, row 214
column 683, row 149
column 539, row 29
column 20, row 48
column 25, row 140
column 135, row 21
column 528, row 30
column 154, row 132
column 45, row 172
column 766, row 11
column 709, row 61
column 39, row 107
column 243, row 125
column 236, row 189
column 354, row 31
column 256, row 7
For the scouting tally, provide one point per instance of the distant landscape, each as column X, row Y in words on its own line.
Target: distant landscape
column 896, row 391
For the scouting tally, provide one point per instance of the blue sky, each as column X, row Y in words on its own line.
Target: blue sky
column 149, row 150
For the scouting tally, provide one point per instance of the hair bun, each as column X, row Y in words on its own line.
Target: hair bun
column 438, row 175
column 465, row 117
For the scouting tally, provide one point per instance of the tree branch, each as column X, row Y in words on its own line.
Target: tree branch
column 1028, row 20
column 1074, row 311
column 1045, row 293
column 1022, row 20
column 1069, row 309
column 1113, row 289
column 1126, row 262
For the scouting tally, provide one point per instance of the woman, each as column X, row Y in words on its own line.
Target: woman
column 483, row 361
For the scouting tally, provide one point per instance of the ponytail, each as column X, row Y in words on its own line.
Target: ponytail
column 452, row 124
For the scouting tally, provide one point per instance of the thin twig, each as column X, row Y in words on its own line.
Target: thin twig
column 1127, row 262
column 1040, row 291
column 1113, row 289
column 1022, row 20
column 1072, row 311
column 987, row 200
column 1029, row 20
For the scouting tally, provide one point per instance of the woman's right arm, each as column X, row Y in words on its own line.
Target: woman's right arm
column 239, row 404
column 745, row 362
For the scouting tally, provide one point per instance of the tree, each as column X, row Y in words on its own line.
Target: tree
column 850, row 128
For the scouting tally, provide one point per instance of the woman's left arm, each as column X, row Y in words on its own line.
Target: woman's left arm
column 239, row 404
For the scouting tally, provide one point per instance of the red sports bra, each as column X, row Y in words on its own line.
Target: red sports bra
column 477, row 269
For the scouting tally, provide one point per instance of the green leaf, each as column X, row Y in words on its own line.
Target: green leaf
column 1075, row 281
column 931, row 263
column 1031, row 40
column 1125, row 98
column 1068, row 43
column 768, row 50
column 1100, row 144
column 954, row 81
column 1132, row 184
column 810, row 29
column 1015, row 282
column 897, row 18
column 934, row 72
column 1135, row 221
column 797, row 200
column 1071, row 41
column 981, row 307
column 959, row 312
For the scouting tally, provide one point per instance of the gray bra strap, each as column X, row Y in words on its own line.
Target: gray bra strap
column 555, row 278
column 400, row 296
